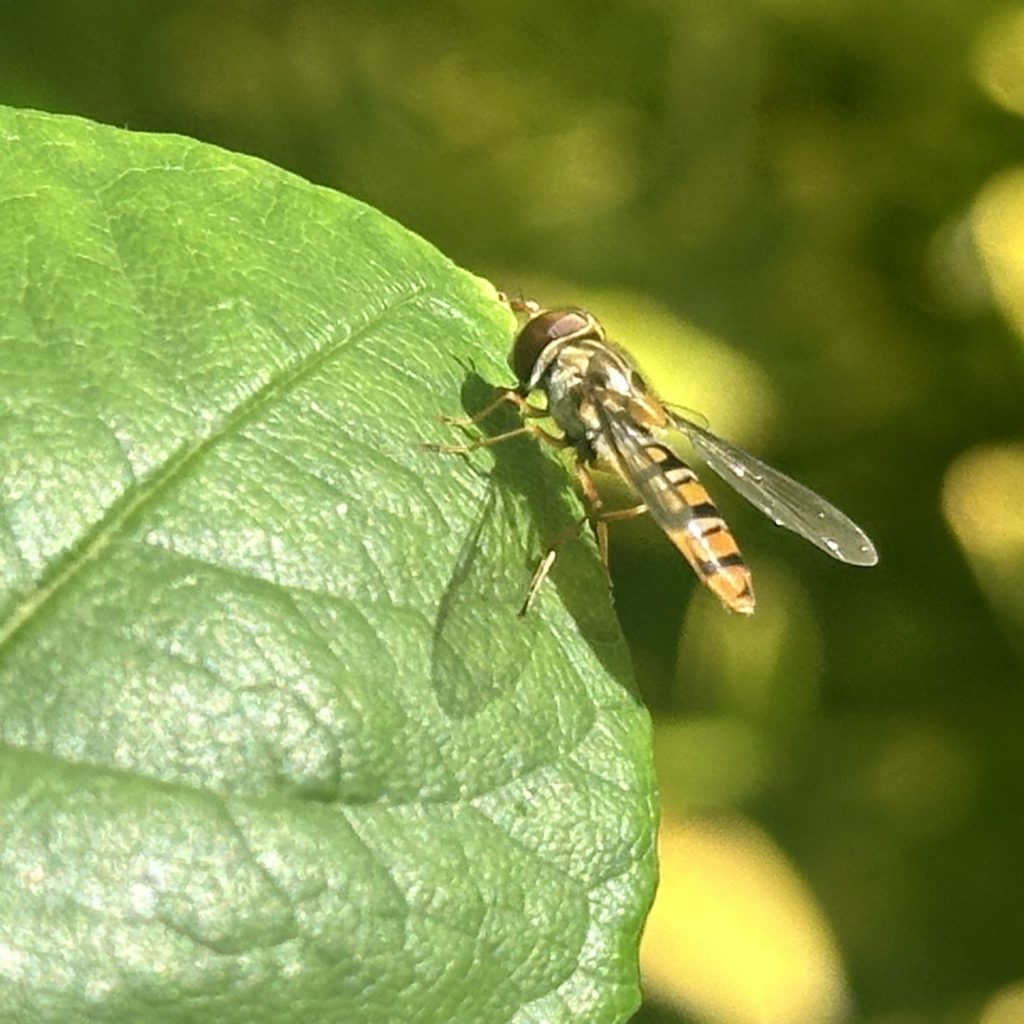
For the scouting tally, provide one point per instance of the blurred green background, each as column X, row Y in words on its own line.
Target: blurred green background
column 806, row 219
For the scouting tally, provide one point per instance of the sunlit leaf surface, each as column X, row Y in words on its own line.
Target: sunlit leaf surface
column 275, row 746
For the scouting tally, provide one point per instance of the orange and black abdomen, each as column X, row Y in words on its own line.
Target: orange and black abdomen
column 684, row 510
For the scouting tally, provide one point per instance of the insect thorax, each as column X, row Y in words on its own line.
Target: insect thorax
column 578, row 373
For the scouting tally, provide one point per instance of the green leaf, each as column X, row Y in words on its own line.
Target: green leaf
column 275, row 746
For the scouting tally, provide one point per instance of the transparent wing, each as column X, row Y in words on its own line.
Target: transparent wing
column 781, row 498
column 629, row 449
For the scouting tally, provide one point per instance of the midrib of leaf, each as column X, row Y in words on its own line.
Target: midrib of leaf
column 106, row 530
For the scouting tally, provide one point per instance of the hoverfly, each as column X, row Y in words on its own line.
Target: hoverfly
column 608, row 414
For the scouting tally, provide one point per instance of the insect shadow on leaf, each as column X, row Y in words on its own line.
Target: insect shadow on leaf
column 479, row 650
column 481, row 646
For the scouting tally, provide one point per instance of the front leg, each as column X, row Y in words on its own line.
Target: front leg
column 507, row 395
column 526, row 307
column 486, row 442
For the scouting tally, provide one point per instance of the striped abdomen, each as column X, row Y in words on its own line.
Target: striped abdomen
column 677, row 502
column 695, row 526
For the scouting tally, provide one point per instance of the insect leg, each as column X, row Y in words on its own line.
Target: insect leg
column 508, row 395
column 599, row 520
column 601, row 529
column 487, row 442
column 624, row 513
column 540, row 574
column 572, row 530
column 593, row 498
column 527, row 306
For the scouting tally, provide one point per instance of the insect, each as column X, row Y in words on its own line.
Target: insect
column 607, row 414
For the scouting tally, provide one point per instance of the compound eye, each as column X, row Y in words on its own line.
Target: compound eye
column 541, row 331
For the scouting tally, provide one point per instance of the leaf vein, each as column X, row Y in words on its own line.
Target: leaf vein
column 109, row 527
